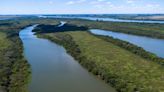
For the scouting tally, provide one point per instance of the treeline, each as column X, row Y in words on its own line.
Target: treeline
column 5, row 24
column 133, row 48
column 14, row 69
column 54, row 28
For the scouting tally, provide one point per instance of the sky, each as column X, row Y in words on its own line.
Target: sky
column 81, row 6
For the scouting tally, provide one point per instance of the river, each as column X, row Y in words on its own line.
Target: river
column 152, row 45
column 105, row 19
column 53, row 70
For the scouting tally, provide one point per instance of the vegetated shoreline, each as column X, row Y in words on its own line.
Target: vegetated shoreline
column 154, row 30
column 132, row 48
column 72, row 48
column 123, row 44
column 15, row 69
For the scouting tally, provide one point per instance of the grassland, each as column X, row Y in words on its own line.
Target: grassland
column 134, row 49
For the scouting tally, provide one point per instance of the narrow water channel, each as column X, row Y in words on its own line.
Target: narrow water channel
column 53, row 70
column 152, row 45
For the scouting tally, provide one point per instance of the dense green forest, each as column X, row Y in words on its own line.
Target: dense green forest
column 54, row 28
column 14, row 69
column 125, row 70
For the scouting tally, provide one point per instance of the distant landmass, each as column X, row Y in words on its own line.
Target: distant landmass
column 155, row 17
column 118, row 16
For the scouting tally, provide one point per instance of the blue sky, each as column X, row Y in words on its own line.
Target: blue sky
column 80, row 6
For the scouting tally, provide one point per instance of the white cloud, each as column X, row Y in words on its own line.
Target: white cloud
column 98, row 6
column 70, row 2
column 51, row 2
column 101, row 0
column 75, row 2
column 152, row 5
column 131, row 1
column 108, row 6
column 108, row 2
column 81, row 1
column 102, row 3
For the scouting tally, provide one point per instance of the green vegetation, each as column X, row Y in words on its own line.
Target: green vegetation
column 133, row 48
column 150, row 30
column 14, row 69
column 54, row 28
column 122, row 69
column 121, row 64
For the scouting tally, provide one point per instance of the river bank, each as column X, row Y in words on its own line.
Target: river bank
column 14, row 69
column 146, row 47
column 54, row 70
column 105, row 60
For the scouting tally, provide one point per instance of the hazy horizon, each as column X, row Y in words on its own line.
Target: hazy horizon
column 15, row 7
column 89, row 14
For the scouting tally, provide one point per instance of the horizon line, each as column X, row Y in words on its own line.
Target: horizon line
column 85, row 14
